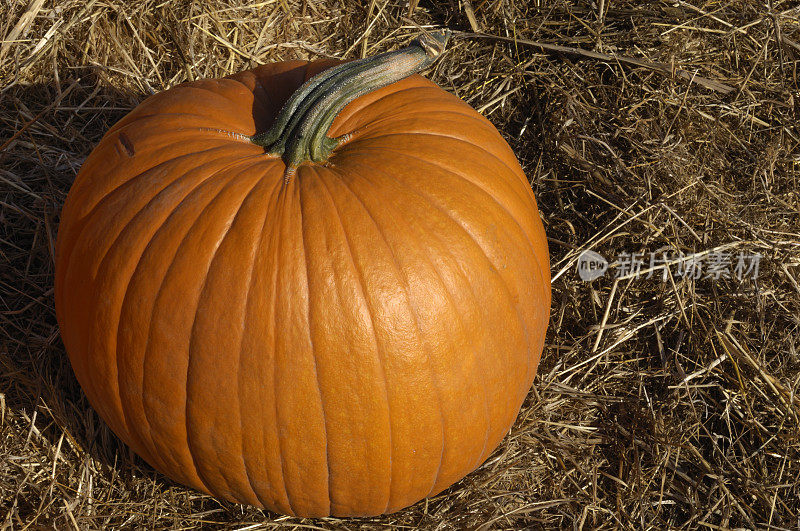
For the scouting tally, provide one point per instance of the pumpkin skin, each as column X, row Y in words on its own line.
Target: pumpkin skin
column 345, row 343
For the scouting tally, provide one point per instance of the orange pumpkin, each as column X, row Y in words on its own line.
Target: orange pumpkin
column 339, row 337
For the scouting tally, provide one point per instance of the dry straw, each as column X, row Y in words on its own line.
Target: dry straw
column 661, row 402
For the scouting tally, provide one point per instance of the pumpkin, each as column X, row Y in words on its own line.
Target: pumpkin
column 341, row 327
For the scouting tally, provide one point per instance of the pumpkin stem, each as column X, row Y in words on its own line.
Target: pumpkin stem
column 300, row 132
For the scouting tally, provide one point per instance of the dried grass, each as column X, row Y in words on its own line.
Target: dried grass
column 660, row 403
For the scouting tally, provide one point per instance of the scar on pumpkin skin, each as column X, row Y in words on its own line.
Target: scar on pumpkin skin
column 289, row 173
column 232, row 134
column 126, row 144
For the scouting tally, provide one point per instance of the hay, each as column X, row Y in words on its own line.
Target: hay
column 660, row 403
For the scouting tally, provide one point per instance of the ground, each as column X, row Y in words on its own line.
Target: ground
column 667, row 394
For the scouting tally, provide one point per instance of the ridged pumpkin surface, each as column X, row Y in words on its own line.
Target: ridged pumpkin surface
column 346, row 343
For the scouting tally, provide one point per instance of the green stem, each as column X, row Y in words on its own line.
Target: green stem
column 300, row 132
